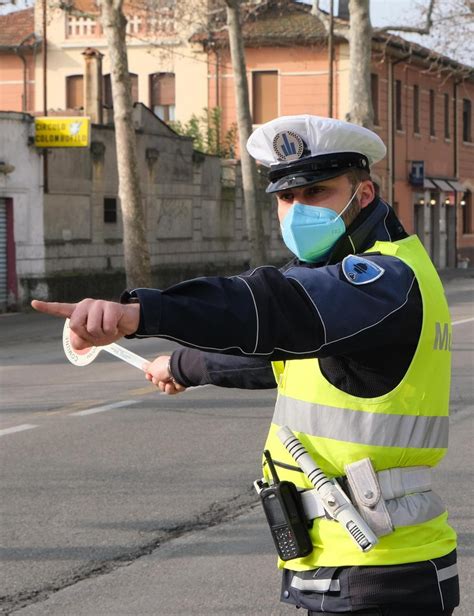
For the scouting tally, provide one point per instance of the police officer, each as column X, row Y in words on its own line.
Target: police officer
column 352, row 332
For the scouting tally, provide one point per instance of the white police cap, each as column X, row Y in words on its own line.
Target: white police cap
column 304, row 149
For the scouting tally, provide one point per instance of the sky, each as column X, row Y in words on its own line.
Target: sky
column 456, row 40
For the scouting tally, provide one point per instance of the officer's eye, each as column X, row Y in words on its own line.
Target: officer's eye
column 286, row 197
column 314, row 190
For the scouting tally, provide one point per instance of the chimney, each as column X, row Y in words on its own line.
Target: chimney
column 343, row 10
column 93, row 85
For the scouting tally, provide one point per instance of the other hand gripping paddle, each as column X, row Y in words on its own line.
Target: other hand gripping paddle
column 84, row 357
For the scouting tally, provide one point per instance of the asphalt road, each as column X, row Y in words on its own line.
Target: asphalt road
column 119, row 500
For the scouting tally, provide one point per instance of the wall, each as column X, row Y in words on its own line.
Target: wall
column 12, row 82
column 188, row 62
column 436, row 224
column 302, row 79
column 24, row 186
column 193, row 203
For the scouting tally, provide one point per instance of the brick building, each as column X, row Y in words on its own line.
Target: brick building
column 19, row 50
column 422, row 110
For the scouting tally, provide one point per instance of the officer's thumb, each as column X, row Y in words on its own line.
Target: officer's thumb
column 54, row 308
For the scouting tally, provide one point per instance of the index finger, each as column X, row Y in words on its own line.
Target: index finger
column 56, row 309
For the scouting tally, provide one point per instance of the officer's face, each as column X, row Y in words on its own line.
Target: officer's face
column 334, row 194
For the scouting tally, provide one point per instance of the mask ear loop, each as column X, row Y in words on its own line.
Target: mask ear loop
column 349, row 202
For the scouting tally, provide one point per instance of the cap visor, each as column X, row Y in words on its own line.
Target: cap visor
column 297, row 180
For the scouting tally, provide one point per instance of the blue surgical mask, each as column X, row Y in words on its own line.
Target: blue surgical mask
column 310, row 231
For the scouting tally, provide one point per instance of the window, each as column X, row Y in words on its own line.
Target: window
column 447, row 132
column 466, row 204
column 264, row 96
column 110, row 209
column 466, row 120
column 163, row 95
column 432, row 114
column 374, row 89
column 398, row 105
column 74, row 92
column 107, row 89
column 416, row 109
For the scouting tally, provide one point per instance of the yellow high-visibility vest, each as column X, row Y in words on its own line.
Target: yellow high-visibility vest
column 408, row 426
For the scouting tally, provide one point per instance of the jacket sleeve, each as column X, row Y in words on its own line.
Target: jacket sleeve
column 192, row 367
column 302, row 312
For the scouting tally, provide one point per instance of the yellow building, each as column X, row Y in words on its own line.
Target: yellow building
column 168, row 73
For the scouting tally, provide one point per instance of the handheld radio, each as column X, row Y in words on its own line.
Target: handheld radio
column 285, row 515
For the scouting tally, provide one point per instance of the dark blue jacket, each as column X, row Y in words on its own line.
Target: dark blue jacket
column 363, row 334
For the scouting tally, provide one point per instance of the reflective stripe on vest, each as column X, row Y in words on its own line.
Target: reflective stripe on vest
column 360, row 426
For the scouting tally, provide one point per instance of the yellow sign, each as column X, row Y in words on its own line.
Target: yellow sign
column 54, row 132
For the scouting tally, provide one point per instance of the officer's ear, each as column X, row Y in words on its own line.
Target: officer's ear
column 366, row 193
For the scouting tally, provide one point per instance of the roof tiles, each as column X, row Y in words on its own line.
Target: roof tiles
column 17, row 28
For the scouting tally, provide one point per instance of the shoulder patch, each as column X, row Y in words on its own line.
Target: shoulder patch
column 358, row 270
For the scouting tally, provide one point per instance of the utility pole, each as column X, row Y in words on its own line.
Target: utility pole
column 330, row 58
column 45, row 94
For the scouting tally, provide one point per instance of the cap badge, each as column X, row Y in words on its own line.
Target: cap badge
column 288, row 145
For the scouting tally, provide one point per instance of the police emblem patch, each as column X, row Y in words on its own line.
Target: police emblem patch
column 358, row 270
column 288, row 145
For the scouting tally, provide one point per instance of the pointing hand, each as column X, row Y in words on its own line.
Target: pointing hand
column 94, row 322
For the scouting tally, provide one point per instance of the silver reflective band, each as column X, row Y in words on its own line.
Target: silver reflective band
column 404, row 511
column 447, row 573
column 323, row 585
column 362, row 427
column 395, row 482
column 415, row 508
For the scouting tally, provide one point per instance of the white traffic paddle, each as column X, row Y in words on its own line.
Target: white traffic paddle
column 85, row 357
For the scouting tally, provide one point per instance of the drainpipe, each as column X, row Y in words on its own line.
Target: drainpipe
column 391, row 134
column 24, row 96
column 218, row 96
column 18, row 50
column 45, row 95
column 391, row 129
column 330, row 58
column 456, row 167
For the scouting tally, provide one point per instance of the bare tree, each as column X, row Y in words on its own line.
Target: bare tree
column 360, row 53
column 110, row 14
column 136, row 253
column 452, row 28
column 199, row 13
column 360, row 56
column 244, row 122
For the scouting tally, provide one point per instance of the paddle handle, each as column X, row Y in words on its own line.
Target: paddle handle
column 125, row 355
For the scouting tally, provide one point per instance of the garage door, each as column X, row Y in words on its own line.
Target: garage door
column 3, row 254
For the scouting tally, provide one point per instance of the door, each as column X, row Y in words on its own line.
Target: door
column 3, row 255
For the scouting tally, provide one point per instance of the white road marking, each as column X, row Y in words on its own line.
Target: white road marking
column 463, row 321
column 19, row 428
column 105, row 407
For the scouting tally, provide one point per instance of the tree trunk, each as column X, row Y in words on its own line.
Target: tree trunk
column 136, row 253
column 360, row 53
column 244, row 122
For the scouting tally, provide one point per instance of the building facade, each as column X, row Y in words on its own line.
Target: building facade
column 68, row 242
column 422, row 110
column 20, row 48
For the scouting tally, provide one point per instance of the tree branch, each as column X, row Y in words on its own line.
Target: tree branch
column 324, row 18
column 420, row 30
